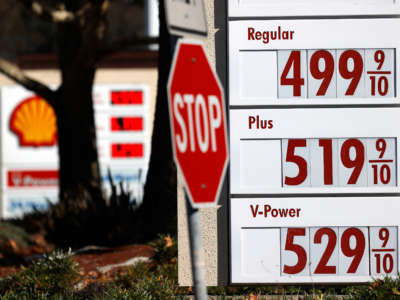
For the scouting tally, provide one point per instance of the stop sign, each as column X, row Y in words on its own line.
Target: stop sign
column 198, row 125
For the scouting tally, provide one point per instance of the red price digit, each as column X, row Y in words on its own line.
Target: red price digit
column 298, row 160
column 326, row 74
column 381, row 147
column 294, row 61
column 357, row 163
column 384, row 173
column 327, row 152
column 387, row 263
column 381, row 172
column 358, row 251
column 387, row 260
column 384, row 236
column 355, row 74
column 383, row 85
column 322, row 267
column 299, row 250
column 379, row 58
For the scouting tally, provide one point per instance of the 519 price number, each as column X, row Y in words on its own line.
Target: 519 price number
column 329, row 162
column 336, row 73
column 339, row 251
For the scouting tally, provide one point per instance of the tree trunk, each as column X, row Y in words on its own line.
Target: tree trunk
column 78, row 167
column 158, row 213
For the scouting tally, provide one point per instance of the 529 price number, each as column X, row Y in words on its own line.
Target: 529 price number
column 339, row 162
column 339, row 251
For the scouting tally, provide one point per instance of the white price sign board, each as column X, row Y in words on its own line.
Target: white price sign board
column 309, row 240
column 313, row 62
column 314, row 143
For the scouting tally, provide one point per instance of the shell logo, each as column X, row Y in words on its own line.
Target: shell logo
column 34, row 122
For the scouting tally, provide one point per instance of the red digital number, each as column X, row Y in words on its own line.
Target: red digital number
column 126, row 97
column 126, row 123
column 357, row 163
column 128, row 150
column 355, row 74
column 326, row 74
column 299, row 250
column 294, row 61
column 322, row 267
column 358, row 251
column 298, row 160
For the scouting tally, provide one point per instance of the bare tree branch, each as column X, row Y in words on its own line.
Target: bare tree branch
column 13, row 72
column 135, row 40
column 48, row 14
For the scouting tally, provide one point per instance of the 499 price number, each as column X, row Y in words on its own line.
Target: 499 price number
column 342, row 162
column 336, row 73
column 339, row 251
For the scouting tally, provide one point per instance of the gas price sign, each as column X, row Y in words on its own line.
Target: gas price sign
column 314, row 132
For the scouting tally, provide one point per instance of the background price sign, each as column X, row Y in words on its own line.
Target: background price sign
column 314, row 132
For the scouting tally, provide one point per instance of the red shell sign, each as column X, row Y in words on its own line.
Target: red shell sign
column 34, row 122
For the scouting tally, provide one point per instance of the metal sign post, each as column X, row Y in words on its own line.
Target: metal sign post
column 196, row 251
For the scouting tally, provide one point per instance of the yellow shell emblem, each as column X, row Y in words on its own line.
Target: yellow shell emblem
column 34, row 122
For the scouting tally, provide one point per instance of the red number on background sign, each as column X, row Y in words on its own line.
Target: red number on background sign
column 294, row 61
column 356, row 163
column 126, row 97
column 322, row 267
column 326, row 74
column 355, row 74
column 298, row 160
column 358, row 251
column 299, row 250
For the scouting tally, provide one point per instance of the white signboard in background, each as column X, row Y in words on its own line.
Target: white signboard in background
column 186, row 17
column 29, row 158
column 314, row 132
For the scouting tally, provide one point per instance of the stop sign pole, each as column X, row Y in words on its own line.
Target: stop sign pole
column 199, row 139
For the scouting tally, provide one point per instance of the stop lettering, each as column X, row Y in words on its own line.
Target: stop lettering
column 198, row 125
column 203, row 121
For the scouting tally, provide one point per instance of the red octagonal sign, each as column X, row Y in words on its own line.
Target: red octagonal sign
column 198, row 125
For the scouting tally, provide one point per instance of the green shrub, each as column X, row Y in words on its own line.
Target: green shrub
column 54, row 275
column 165, row 249
column 145, row 281
column 387, row 288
